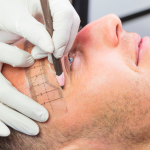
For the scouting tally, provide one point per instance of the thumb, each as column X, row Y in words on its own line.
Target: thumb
column 37, row 53
column 29, row 28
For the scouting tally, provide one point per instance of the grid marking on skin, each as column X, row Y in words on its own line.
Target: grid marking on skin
column 32, row 80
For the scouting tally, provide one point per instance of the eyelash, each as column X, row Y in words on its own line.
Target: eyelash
column 71, row 58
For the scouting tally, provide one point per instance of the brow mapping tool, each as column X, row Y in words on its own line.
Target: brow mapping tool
column 49, row 27
column 51, row 95
column 42, row 89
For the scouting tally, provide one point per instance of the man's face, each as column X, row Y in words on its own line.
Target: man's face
column 106, row 87
column 110, row 75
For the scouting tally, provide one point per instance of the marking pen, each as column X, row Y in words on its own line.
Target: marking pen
column 49, row 27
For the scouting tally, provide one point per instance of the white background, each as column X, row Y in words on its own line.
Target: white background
column 141, row 25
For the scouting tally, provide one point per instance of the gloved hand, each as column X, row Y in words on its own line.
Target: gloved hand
column 19, row 18
column 23, row 17
column 13, row 99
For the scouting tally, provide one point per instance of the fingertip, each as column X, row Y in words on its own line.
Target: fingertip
column 37, row 130
column 34, row 130
column 22, row 58
column 15, row 56
column 46, row 46
column 4, row 131
column 59, row 53
column 24, row 61
column 29, row 128
column 7, row 133
column 41, row 114
column 37, row 53
column 45, row 116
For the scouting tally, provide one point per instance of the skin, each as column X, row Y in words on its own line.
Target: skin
column 110, row 84
column 106, row 90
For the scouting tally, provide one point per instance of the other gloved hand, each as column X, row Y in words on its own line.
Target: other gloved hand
column 23, row 17
column 12, row 101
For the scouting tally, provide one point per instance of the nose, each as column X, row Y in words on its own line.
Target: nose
column 111, row 29
column 104, row 32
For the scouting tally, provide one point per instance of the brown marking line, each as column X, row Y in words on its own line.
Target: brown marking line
column 32, row 81
column 48, row 92
column 36, row 67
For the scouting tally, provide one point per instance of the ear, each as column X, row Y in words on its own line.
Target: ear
column 85, row 144
column 77, row 145
column 71, row 147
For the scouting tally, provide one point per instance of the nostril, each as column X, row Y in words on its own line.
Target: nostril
column 117, row 31
column 140, row 44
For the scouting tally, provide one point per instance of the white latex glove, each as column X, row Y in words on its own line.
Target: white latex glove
column 13, row 99
column 23, row 17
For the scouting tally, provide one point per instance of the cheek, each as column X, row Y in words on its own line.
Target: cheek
column 95, row 84
column 108, row 76
column 89, row 97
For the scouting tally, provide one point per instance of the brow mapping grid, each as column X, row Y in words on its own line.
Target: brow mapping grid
column 41, row 90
